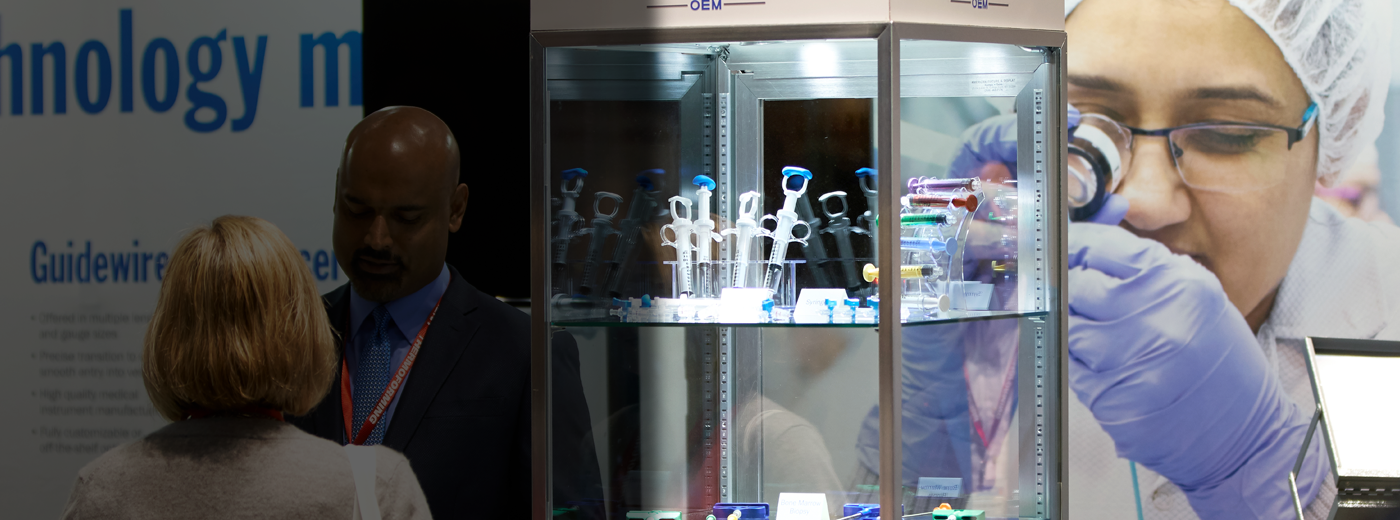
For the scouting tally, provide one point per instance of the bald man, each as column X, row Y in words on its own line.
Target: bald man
column 457, row 405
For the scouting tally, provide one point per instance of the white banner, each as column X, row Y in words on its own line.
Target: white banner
column 123, row 125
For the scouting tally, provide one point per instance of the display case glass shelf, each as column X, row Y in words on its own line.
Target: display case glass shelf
column 947, row 317
column 717, row 212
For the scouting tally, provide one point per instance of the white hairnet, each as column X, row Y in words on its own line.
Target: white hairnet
column 1340, row 49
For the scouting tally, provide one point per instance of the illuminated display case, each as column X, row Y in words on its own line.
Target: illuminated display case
column 716, row 208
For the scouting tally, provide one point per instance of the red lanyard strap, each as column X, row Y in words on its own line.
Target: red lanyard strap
column 377, row 413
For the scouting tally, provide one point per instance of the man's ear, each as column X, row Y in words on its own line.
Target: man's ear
column 459, row 207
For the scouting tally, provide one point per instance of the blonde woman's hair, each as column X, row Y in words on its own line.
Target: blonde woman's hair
column 239, row 323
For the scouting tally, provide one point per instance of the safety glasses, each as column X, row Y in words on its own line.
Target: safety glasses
column 1217, row 156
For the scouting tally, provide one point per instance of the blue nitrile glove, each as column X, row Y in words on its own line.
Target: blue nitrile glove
column 994, row 141
column 991, row 141
column 1173, row 373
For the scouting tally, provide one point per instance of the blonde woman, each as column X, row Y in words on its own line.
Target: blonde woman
column 239, row 337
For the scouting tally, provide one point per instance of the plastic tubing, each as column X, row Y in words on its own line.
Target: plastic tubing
column 927, row 219
column 923, row 244
column 968, row 201
column 972, row 184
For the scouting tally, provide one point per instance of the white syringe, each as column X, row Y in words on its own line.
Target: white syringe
column 704, row 232
column 745, row 229
column 795, row 181
column 682, row 228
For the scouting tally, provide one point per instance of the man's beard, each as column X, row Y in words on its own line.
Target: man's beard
column 376, row 287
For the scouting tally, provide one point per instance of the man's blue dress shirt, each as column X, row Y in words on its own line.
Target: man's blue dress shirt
column 408, row 314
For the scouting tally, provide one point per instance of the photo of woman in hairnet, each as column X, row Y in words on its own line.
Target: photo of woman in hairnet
column 1187, row 319
column 1191, row 291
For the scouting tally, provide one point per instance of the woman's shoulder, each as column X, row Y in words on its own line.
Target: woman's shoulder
column 232, row 441
column 210, row 460
column 396, row 487
column 1350, row 232
column 1342, row 282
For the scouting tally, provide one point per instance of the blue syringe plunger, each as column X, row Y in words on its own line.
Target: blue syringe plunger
column 789, row 171
column 703, row 181
column 867, row 172
column 571, row 173
column 790, row 174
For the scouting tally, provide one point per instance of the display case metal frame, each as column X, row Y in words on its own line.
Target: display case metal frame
column 1042, row 421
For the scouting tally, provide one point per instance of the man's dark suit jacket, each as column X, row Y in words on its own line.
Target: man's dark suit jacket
column 463, row 420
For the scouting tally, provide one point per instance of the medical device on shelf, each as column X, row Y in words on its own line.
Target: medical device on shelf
column 868, row 179
column 704, row 233
column 795, row 181
column 965, row 201
column 566, row 224
column 813, row 250
column 681, row 228
column 745, row 229
column 839, row 226
column 602, row 227
column 639, row 214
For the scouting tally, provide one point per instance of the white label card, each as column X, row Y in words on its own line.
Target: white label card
column 811, row 304
column 940, row 487
column 741, row 304
column 802, row 506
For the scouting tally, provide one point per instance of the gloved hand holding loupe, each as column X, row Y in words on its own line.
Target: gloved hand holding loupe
column 1097, row 148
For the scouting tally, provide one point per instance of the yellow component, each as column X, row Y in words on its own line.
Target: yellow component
column 943, row 506
column 872, row 273
column 1004, row 266
column 735, row 515
column 911, row 271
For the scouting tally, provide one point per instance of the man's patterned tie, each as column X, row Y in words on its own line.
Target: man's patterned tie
column 372, row 375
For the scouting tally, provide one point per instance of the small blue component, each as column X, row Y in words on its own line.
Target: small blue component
column 645, row 183
column 867, row 172
column 768, row 305
column 747, row 510
column 571, row 173
column 701, row 180
column 789, row 171
column 646, row 301
column 791, row 178
column 853, row 303
column 866, row 511
column 874, row 303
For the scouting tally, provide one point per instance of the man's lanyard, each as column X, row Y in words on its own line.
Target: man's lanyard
column 983, row 433
column 377, row 413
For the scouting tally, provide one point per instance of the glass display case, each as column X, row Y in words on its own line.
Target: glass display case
column 811, row 271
